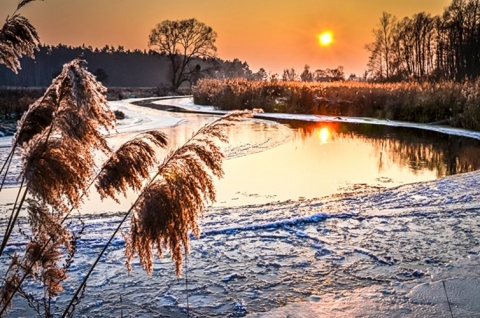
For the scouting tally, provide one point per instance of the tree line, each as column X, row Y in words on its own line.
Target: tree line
column 319, row 75
column 117, row 67
column 426, row 47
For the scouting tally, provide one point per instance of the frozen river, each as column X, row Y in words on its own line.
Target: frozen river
column 369, row 251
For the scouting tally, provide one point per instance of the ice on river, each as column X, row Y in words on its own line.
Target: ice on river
column 391, row 252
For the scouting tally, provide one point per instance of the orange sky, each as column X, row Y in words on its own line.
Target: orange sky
column 273, row 34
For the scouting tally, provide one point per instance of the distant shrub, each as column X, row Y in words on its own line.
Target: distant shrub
column 119, row 114
column 455, row 104
column 15, row 101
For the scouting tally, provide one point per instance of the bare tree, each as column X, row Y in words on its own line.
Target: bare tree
column 381, row 48
column 289, row 75
column 414, row 47
column 425, row 47
column 306, row 75
column 182, row 41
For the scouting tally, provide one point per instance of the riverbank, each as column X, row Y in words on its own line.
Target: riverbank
column 448, row 103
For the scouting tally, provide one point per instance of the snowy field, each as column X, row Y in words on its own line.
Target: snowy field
column 398, row 252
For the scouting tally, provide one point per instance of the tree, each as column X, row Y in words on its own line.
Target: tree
column 425, row 47
column 306, row 75
column 381, row 48
column 261, row 75
column 289, row 75
column 234, row 69
column 462, row 27
column 329, row 75
column 337, row 74
column 183, row 41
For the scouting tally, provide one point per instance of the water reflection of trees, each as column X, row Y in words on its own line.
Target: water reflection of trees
column 414, row 148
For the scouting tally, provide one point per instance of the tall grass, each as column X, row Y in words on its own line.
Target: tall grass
column 450, row 103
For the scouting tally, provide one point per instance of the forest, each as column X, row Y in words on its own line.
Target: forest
column 425, row 47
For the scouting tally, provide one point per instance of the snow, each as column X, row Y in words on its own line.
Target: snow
column 139, row 118
column 396, row 252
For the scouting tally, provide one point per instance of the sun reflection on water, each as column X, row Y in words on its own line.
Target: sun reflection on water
column 324, row 135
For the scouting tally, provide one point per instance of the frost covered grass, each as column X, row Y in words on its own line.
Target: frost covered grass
column 454, row 104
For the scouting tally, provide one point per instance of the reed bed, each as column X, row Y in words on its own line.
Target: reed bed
column 449, row 103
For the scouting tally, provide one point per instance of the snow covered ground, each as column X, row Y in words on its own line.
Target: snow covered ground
column 408, row 251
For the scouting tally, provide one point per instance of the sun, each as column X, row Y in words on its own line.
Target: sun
column 326, row 38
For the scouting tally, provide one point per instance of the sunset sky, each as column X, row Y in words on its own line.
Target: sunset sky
column 273, row 34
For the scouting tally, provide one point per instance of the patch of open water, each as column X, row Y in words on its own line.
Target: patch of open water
column 323, row 159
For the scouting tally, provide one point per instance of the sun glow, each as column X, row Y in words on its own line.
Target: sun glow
column 324, row 134
column 326, row 38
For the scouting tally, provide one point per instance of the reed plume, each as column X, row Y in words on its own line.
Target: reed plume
column 35, row 120
column 22, row 3
column 44, row 249
column 59, row 158
column 130, row 165
column 77, row 102
column 58, row 164
column 43, row 253
column 17, row 38
column 169, row 207
column 10, row 283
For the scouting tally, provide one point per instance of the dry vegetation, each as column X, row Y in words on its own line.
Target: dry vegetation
column 14, row 102
column 59, row 139
column 450, row 103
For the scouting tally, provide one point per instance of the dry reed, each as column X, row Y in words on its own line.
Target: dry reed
column 58, row 165
column 130, row 165
column 169, row 207
column 17, row 38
